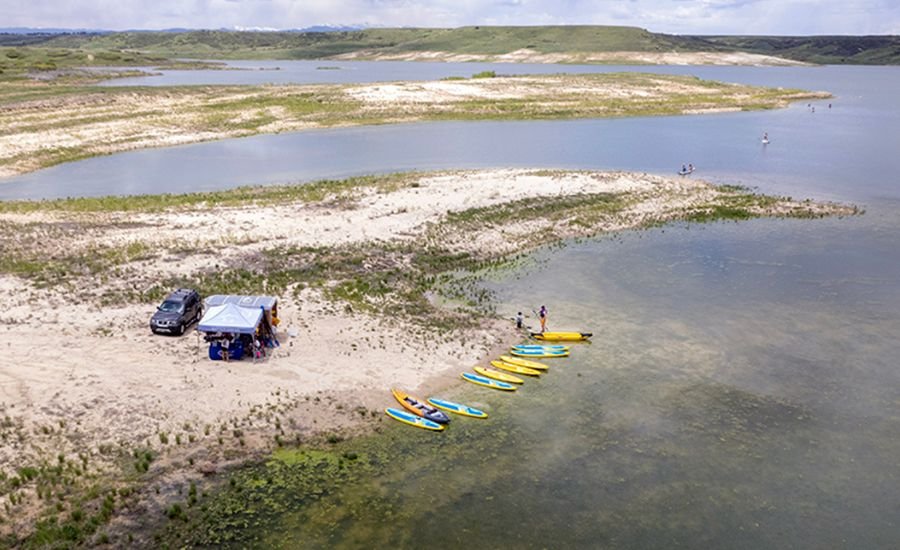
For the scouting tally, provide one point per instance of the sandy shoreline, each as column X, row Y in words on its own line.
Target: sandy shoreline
column 89, row 381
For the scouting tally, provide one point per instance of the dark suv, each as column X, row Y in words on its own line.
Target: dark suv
column 179, row 310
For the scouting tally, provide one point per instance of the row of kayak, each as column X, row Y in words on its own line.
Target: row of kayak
column 432, row 414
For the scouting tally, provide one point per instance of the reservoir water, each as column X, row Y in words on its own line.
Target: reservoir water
column 742, row 389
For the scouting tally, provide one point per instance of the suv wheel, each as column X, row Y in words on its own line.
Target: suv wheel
column 180, row 329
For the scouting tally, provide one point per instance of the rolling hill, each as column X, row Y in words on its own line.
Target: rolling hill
column 478, row 40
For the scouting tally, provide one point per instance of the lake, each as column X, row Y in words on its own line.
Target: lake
column 742, row 386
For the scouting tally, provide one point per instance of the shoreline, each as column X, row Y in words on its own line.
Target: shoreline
column 350, row 261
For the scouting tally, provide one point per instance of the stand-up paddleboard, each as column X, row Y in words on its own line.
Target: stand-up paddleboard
column 497, row 375
column 518, row 361
column 487, row 382
column 457, row 408
column 561, row 336
column 515, row 368
column 413, row 420
column 542, row 347
column 538, row 353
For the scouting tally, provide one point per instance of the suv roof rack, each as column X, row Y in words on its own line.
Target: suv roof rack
column 182, row 292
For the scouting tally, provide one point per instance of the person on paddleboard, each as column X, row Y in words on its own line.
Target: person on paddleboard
column 543, row 315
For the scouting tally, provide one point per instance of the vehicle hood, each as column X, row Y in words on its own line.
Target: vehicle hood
column 166, row 316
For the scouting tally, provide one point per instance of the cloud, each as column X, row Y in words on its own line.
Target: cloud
column 669, row 16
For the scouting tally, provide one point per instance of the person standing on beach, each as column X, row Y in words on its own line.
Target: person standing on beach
column 519, row 320
column 543, row 315
column 226, row 345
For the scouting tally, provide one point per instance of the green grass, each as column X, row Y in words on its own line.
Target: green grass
column 17, row 60
column 120, row 48
column 343, row 191
column 855, row 50
column 468, row 40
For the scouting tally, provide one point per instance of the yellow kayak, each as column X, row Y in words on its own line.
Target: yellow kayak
column 497, row 375
column 515, row 368
column 519, row 362
column 561, row 336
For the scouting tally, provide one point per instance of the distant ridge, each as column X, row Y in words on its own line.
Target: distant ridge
column 568, row 43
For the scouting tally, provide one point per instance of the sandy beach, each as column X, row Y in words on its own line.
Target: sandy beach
column 83, row 377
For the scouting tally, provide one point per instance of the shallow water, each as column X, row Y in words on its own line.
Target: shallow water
column 740, row 392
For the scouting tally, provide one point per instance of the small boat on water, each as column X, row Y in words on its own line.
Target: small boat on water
column 419, row 407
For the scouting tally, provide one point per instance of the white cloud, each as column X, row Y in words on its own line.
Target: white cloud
column 669, row 16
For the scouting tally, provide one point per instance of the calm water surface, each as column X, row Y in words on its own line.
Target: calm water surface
column 742, row 389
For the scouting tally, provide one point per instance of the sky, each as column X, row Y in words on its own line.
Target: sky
column 769, row 17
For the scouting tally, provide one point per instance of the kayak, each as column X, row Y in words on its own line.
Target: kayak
column 540, row 347
column 457, row 408
column 515, row 368
column 412, row 419
column 561, row 336
column 419, row 407
column 538, row 353
column 497, row 375
column 523, row 362
column 487, row 382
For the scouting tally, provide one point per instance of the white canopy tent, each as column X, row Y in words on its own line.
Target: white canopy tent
column 230, row 318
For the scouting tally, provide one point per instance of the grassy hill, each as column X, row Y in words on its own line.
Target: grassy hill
column 311, row 45
column 862, row 50
column 481, row 40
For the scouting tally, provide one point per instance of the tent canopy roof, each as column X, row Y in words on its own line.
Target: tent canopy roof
column 230, row 318
column 244, row 301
